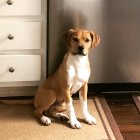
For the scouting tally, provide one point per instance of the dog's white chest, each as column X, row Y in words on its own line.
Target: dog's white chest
column 78, row 71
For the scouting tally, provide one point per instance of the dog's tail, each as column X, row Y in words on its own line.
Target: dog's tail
column 22, row 102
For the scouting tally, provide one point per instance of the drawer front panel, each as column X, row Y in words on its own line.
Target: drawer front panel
column 15, row 68
column 20, row 7
column 26, row 35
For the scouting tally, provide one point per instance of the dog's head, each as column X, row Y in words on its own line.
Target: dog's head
column 79, row 41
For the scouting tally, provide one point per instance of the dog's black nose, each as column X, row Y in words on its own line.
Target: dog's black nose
column 80, row 48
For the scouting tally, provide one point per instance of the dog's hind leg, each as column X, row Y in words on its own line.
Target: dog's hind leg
column 56, row 110
column 44, row 119
column 43, row 105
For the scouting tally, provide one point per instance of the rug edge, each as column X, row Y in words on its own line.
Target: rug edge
column 136, row 100
column 110, row 118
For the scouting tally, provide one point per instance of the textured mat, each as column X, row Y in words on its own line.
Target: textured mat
column 17, row 122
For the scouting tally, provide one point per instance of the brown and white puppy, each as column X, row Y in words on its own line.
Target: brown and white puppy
column 71, row 76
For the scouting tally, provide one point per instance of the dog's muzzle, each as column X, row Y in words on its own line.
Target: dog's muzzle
column 81, row 51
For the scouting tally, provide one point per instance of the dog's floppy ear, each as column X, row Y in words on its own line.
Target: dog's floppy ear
column 67, row 35
column 95, row 39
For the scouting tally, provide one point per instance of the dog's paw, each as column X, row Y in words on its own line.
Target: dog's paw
column 75, row 124
column 45, row 120
column 62, row 116
column 90, row 119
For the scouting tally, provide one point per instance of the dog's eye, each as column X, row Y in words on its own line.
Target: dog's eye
column 75, row 39
column 87, row 40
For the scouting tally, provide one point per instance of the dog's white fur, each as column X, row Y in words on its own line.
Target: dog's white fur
column 45, row 120
column 77, row 71
column 88, row 118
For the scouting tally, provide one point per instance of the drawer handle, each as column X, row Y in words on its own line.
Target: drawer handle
column 9, row 2
column 11, row 37
column 11, row 69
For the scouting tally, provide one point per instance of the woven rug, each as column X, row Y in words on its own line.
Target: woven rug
column 17, row 122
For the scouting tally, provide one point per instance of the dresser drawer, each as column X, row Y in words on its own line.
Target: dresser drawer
column 15, row 68
column 20, row 7
column 20, row 35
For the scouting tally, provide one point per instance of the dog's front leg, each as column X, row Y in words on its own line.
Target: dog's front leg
column 83, row 99
column 71, row 112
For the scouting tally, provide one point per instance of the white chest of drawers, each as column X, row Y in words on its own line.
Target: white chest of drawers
column 22, row 46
